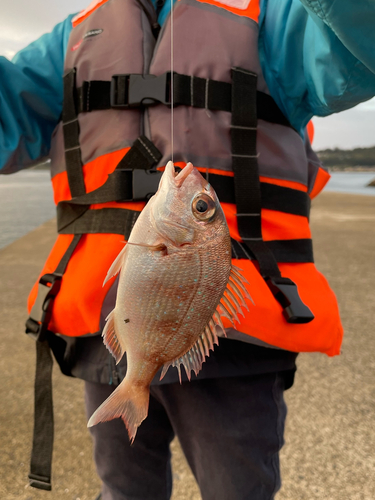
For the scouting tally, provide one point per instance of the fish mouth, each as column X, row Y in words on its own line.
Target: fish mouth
column 178, row 178
column 181, row 176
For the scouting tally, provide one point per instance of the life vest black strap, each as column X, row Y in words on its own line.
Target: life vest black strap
column 241, row 99
column 134, row 179
column 37, row 327
column 73, row 216
column 121, row 221
column 48, row 288
column 273, row 197
column 41, row 454
column 71, row 135
column 287, row 251
column 132, row 90
column 248, row 195
column 143, row 155
column 103, row 221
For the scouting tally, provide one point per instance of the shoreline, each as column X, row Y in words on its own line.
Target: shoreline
column 9, row 240
column 351, row 169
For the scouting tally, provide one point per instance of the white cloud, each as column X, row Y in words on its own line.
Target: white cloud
column 367, row 106
column 350, row 129
column 22, row 21
column 9, row 53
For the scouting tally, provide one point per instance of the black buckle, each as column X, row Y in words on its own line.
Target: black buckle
column 132, row 91
column 145, row 183
column 40, row 315
column 285, row 292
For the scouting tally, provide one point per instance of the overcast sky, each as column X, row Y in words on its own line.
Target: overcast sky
column 22, row 21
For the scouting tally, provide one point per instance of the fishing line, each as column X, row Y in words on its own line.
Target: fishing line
column 172, row 78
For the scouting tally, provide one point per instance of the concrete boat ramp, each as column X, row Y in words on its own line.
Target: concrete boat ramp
column 330, row 437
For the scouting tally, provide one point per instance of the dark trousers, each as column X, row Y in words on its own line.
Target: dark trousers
column 230, row 429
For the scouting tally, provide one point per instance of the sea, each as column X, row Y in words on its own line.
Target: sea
column 26, row 199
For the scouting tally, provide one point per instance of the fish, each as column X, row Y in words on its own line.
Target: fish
column 176, row 281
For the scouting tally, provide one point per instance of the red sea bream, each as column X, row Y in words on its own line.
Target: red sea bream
column 174, row 271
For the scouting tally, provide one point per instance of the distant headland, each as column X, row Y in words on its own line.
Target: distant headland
column 358, row 159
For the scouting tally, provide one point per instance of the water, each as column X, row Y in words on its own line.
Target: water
column 351, row 182
column 26, row 199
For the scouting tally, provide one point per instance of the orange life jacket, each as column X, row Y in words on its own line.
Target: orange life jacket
column 117, row 120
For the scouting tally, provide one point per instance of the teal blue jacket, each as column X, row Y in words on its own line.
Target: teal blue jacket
column 317, row 57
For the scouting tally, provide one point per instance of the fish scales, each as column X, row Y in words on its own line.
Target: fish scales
column 170, row 303
column 173, row 274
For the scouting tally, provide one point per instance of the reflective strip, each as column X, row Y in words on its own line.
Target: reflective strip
column 245, row 8
column 321, row 179
column 84, row 14
column 284, row 183
column 310, row 131
column 275, row 225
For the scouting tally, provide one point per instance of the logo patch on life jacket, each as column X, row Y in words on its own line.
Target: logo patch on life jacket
column 237, row 4
column 89, row 34
column 92, row 33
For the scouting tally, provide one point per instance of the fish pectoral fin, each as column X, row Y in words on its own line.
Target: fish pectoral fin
column 110, row 339
column 236, row 278
column 127, row 401
column 233, row 299
column 116, row 265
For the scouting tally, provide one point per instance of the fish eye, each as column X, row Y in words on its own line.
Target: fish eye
column 203, row 207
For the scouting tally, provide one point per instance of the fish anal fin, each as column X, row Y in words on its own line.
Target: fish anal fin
column 164, row 370
column 116, row 265
column 217, row 320
column 110, row 339
column 194, row 358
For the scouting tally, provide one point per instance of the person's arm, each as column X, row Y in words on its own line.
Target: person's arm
column 352, row 21
column 31, row 95
column 318, row 58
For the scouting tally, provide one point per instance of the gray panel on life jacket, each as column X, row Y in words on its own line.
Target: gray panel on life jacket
column 199, row 135
column 314, row 164
column 125, row 45
column 282, row 153
column 202, row 136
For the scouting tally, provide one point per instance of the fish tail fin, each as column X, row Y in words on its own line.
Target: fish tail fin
column 128, row 402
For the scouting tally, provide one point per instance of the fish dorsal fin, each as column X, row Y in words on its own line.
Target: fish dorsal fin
column 110, row 340
column 116, row 266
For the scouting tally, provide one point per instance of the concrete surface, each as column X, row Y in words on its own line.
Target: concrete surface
column 330, row 433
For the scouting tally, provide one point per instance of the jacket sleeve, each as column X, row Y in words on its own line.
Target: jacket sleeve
column 317, row 55
column 353, row 22
column 31, row 95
